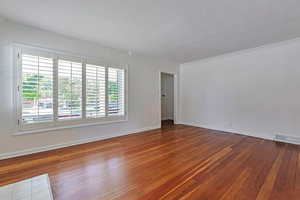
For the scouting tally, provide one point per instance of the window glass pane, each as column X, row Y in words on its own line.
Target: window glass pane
column 37, row 89
column 116, row 91
column 69, row 89
column 95, row 91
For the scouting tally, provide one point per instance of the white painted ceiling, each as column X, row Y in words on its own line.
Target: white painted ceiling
column 179, row 30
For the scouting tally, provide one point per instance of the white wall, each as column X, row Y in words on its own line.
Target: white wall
column 167, row 89
column 144, row 105
column 255, row 92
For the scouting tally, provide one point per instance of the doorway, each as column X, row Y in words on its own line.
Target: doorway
column 167, row 99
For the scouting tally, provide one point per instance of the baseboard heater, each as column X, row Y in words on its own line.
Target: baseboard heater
column 287, row 139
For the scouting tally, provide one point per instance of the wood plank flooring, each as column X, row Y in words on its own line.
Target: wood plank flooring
column 175, row 162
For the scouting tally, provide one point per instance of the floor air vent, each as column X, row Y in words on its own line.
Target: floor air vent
column 288, row 139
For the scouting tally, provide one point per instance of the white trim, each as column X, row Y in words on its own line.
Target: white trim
column 72, row 143
column 40, row 130
column 106, row 91
column 17, row 106
column 83, row 91
column 126, row 99
column 287, row 138
column 159, row 96
column 286, row 141
column 55, row 88
column 240, row 132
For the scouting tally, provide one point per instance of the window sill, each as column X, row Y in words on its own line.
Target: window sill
column 40, row 130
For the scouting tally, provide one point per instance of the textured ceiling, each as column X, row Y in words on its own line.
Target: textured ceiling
column 173, row 29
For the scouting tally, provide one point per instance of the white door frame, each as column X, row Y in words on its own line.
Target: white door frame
column 175, row 94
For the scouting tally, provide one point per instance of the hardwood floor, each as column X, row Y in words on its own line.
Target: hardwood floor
column 175, row 162
column 167, row 123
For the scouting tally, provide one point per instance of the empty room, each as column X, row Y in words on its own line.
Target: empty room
column 150, row 100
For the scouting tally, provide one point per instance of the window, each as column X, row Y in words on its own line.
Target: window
column 115, row 91
column 69, row 89
column 95, row 91
column 54, row 90
column 37, row 89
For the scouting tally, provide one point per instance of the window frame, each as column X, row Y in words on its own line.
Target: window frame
column 57, row 123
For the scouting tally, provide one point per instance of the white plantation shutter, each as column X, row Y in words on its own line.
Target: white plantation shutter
column 37, row 89
column 116, row 92
column 95, row 91
column 52, row 87
column 69, row 89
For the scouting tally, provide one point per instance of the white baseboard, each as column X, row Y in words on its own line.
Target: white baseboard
column 72, row 143
column 240, row 132
column 287, row 139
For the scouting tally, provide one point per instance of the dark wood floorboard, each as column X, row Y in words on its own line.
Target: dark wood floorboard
column 167, row 123
column 175, row 162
